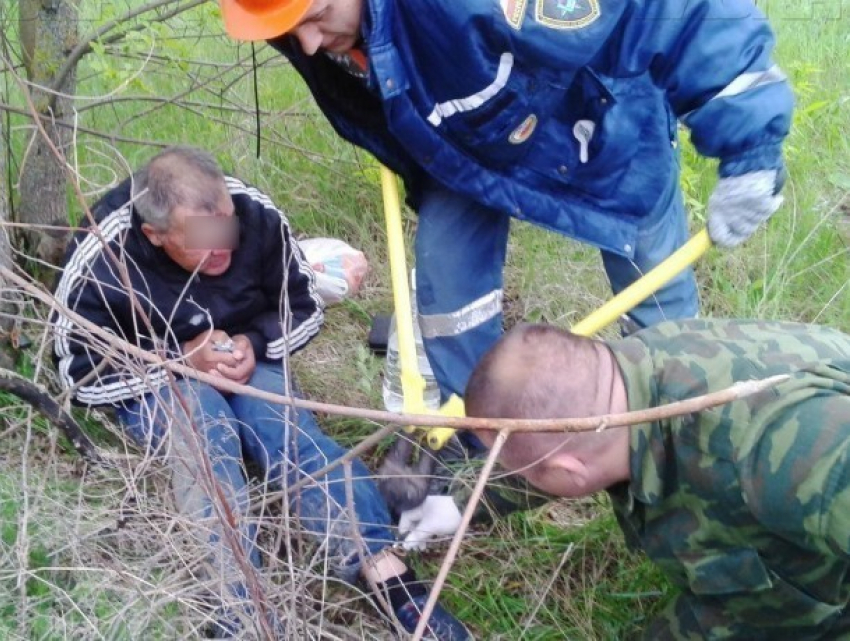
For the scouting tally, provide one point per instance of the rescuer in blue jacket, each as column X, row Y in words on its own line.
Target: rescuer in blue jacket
column 560, row 112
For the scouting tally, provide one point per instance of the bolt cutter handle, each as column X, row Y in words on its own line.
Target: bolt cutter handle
column 413, row 385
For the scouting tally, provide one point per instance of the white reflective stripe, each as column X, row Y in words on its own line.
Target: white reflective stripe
column 78, row 268
column 469, row 317
column 294, row 341
column 302, row 334
column 459, row 105
column 752, row 80
column 129, row 388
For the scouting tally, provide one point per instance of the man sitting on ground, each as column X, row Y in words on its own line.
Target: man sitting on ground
column 745, row 506
column 198, row 267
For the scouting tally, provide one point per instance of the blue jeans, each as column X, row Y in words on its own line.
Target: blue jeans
column 194, row 425
column 460, row 255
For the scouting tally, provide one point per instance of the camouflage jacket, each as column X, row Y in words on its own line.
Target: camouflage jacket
column 746, row 506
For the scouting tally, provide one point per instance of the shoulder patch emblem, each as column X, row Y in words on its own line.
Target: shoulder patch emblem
column 524, row 131
column 514, row 11
column 567, row 14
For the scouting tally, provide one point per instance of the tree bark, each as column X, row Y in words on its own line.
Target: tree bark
column 41, row 400
column 7, row 305
column 49, row 32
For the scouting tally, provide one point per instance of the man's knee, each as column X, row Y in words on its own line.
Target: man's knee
column 269, row 377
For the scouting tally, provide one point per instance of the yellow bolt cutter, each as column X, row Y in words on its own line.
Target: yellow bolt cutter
column 412, row 383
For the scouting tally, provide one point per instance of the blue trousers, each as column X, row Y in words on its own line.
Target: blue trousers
column 460, row 256
column 203, row 433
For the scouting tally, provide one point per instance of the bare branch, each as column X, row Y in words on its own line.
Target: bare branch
column 696, row 404
column 185, row 104
column 592, row 423
column 39, row 398
column 91, row 132
column 85, row 47
column 451, row 555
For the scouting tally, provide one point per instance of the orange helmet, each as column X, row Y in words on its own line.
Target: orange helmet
column 261, row 19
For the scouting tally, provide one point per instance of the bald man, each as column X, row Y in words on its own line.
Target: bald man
column 745, row 507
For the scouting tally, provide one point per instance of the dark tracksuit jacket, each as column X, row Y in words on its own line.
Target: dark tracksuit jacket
column 268, row 294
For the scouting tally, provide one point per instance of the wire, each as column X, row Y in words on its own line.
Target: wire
column 256, row 95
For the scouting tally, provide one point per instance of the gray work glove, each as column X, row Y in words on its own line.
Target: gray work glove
column 739, row 204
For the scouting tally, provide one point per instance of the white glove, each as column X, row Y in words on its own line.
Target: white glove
column 739, row 204
column 437, row 516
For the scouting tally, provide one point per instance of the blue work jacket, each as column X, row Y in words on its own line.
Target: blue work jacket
column 561, row 112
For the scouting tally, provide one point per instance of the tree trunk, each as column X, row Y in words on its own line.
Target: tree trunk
column 7, row 306
column 49, row 31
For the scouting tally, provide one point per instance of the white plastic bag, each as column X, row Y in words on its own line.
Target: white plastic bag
column 339, row 267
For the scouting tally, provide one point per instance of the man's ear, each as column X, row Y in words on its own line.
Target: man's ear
column 569, row 468
column 152, row 234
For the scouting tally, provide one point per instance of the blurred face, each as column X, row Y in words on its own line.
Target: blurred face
column 330, row 25
column 199, row 240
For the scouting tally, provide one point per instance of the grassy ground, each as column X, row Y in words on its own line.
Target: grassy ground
column 561, row 572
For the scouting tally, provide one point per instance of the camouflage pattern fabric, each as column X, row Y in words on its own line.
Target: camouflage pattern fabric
column 746, row 507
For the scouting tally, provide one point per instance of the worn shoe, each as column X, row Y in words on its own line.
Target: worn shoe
column 442, row 626
column 226, row 624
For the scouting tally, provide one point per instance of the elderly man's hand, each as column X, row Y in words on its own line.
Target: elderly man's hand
column 739, row 204
column 207, row 350
column 215, row 352
column 245, row 361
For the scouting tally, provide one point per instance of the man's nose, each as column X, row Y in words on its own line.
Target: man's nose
column 309, row 37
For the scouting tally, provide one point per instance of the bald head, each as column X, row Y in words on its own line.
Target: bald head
column 542, row 372
column 539, row 371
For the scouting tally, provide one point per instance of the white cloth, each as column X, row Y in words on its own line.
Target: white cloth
column 339, row 267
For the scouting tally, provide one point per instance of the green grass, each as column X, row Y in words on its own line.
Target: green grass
column 797, row 269
column 37, row 577
column 585, row 585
